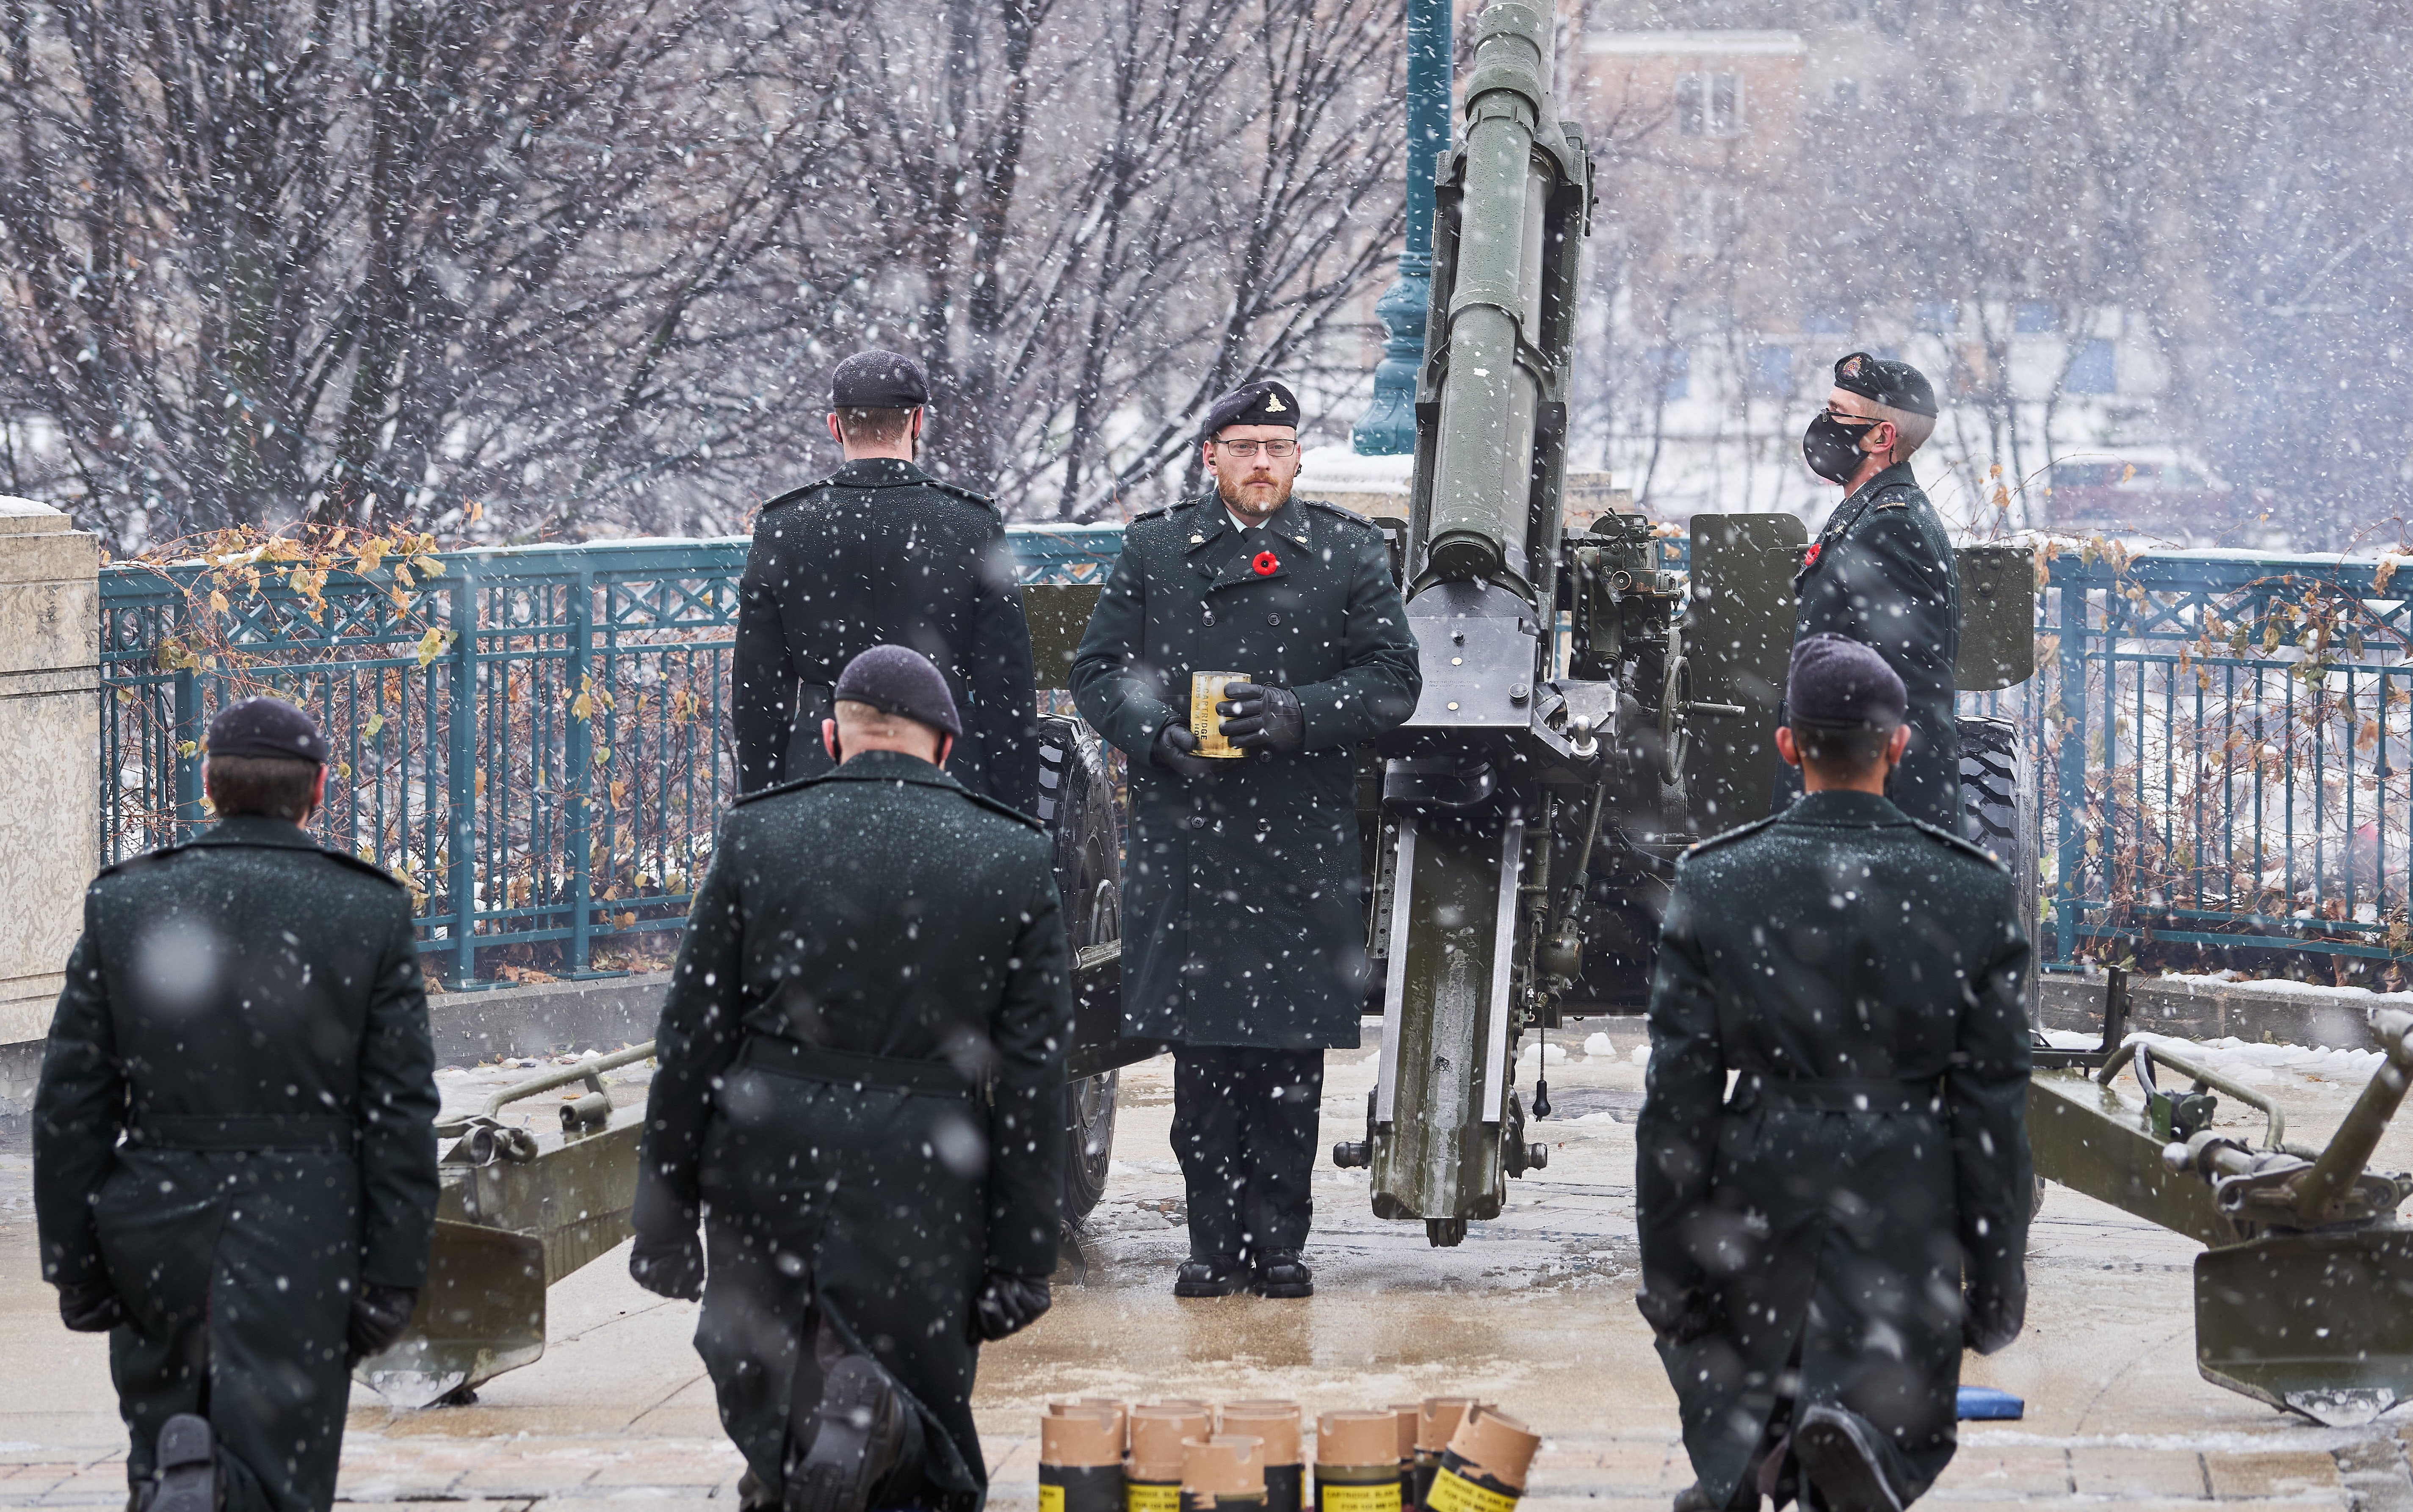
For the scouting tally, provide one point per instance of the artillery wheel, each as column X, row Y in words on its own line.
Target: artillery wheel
column 1998, row 811
column 1443, row 1233
column 1076, row 802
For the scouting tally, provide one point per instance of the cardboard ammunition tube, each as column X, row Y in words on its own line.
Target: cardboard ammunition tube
column 1081, row 1461
column 1152, row 1479
column 1437, row 1419
column 1226, row 1471
column 1276, row 1424
column 1120, row 1414
column 1357, row 1462
column 1483, row 1468
column 1407, row 1414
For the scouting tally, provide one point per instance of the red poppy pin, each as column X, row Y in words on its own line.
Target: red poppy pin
column 1265, row 563
column 1810, row 559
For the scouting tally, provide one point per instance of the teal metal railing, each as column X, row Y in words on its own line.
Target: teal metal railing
column 537, row 738
column 2223, row 740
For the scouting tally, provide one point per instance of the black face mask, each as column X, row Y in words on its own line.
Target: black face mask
column 1833, row 449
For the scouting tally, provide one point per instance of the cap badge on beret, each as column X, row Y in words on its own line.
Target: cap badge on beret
column 1265, row 564
column 1851, row 368
column 1273, row 402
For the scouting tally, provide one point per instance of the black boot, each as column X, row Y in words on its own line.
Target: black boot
column 1840, row 1464
column 186, row 1463
column 1282, row 1273
column 1217, row 1275
column 858, row 1437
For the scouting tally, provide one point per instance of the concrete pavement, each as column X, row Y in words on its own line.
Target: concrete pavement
column 1534, row 1311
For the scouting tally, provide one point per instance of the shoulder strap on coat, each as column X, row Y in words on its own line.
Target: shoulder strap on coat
column 1961, row 843
column 1727, row 837
column 997, row 805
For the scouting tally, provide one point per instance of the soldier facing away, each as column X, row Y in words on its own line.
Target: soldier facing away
column 1819, row 1245
column 1881, row 570
column 861, row 1099
column 879, row 552
column 1243, row 932
column 246, row 1010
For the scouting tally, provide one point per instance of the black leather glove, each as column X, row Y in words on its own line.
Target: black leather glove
column 1260, row 718
column 1677, row 1316
column 379, row 1315
column 91, row 1307
column 1007, row 1304
column 1172, row 750
column 669, row 1265
column 1991, row 1320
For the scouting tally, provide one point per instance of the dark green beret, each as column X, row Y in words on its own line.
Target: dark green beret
column 1262, row 402
column 1894, row 385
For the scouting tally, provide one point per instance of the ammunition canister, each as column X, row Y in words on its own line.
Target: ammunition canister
column 1206, row 691
column 1081, row 1461
column 1276, row 1424
column 1120, row 1412
column 1356, row 1462
column 1483, row 1468
column 1437, row 1419
column 1405, row 1415
column 1152, row 1479
column 1225, row 1473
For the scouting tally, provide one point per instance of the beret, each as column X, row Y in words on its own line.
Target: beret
column 265, row 727
column 878, row 380
column 1837, row 683
column 898, row 680
column 1894, row 385
column 1262, row 402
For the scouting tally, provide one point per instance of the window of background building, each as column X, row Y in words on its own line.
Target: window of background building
column 2034, row 317
column 1772, row 372
column 1708, row 103
column 2091, row 370
column 1935, row 315
column 1845, row 93
column 1827, row 320
column 1675, row 365
column 1707, row 221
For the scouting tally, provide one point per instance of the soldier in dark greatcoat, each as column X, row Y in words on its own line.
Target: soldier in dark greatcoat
column 860, row 1098
column 879, row 552
column 245, row 1010
column 1819, row 1245
column 1243, row 937
column 1881, row 570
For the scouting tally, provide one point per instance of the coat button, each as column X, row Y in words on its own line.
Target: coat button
column 1208, row 618
column 1273, row 619
column 1198, row 821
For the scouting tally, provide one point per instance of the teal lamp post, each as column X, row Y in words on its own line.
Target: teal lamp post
column 1388, row 427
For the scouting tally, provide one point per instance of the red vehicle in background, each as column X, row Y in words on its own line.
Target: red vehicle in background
column 2147, row 491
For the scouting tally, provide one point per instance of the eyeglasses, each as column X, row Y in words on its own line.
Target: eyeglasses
column 1860, row 420
column 1278, row 450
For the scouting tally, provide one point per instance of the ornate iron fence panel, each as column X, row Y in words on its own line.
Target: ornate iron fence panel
column 2221, row 741
column 537, row 740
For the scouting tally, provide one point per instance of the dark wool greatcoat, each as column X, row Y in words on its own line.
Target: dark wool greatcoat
column 1860, row 974
column 1882, row 572
column 247, row 1009
column 862, row 1089
column 881, row 553
column 1243, row 923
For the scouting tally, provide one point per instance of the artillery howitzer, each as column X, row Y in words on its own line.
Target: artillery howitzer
column 1575, row 731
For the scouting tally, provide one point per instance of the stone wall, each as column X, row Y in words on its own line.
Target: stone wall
column 49, row 747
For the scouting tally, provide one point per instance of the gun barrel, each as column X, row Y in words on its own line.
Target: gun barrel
column 1490, row 392
column 2349, row 1150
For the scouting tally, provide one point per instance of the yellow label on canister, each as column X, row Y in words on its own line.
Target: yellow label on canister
column 1051, row 1498
column 1331, row 1496
column 1206, row 691
column 1151, row 1496
column 1453, row 1492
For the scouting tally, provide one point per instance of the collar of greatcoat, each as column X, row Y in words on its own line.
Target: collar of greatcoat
column 1208, row 522
column 1843, row 808
column 889, row 767
column 257, row 829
